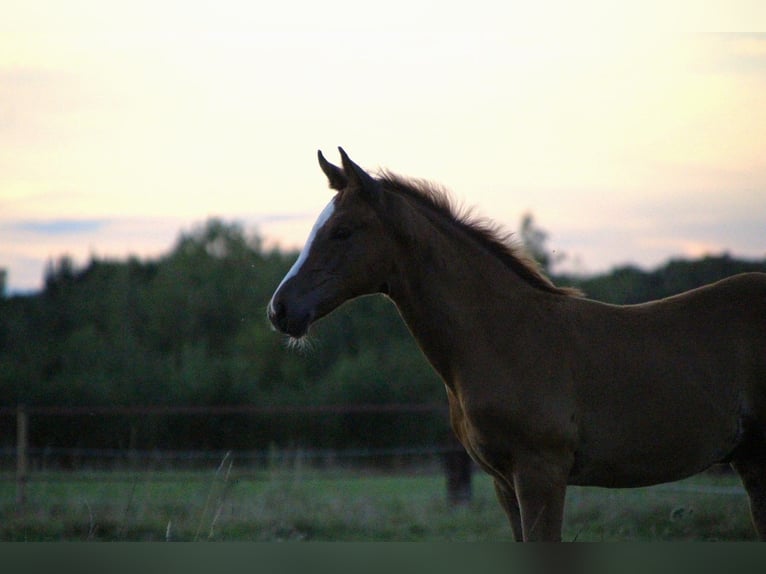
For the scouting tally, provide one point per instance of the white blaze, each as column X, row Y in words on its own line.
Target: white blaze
column 323, row 217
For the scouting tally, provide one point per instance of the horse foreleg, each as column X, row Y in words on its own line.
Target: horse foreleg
column 510, row 504
column 541, row 498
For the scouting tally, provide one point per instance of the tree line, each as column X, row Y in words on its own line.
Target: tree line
column 190, row 328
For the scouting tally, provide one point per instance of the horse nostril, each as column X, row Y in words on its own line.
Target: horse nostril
column 277, row 311
column 281, row 311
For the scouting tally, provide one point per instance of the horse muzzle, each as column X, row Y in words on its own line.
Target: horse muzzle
column 293, row 319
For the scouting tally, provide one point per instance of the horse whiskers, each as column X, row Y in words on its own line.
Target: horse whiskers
column 302, row 345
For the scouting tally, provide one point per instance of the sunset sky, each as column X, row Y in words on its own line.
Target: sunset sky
column 122, row 124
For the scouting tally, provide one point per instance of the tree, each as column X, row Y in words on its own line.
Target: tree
column 59, row 274
column 534, row 239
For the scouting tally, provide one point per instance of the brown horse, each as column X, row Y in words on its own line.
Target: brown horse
column 546, row 388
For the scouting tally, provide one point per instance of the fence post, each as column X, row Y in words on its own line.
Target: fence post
column 22, row 471
column 458, row 467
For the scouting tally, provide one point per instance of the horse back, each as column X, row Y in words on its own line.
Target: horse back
column 666, row 388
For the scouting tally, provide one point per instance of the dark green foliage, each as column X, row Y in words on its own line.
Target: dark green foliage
column 190, row 328
column 627, row 285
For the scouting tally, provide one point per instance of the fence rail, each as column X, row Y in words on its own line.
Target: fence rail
column 456, row 463
column 225, row 409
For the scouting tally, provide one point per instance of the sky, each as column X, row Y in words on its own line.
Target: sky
column 123, row 124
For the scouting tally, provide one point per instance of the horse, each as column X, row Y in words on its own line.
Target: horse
column 546, row 388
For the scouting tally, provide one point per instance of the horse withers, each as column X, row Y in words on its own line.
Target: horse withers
column 546, row 388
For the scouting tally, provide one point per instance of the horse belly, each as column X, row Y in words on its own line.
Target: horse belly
column 641, row 470
column 629, row 452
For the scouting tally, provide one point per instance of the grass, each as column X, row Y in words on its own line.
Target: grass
column 290, row 504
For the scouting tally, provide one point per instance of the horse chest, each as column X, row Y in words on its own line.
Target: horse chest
column 497, row 433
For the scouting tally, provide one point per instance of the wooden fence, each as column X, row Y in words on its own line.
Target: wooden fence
column 457, row 465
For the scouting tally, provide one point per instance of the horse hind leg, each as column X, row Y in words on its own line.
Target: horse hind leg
column 749, row 461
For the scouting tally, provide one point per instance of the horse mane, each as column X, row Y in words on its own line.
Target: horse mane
column 490, row 235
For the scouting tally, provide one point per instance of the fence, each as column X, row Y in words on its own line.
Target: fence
column 456, row 464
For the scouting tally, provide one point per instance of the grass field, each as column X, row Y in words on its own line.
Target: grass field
column 346, row 505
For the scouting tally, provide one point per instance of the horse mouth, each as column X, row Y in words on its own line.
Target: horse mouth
column 294, row 325
column 295, row 330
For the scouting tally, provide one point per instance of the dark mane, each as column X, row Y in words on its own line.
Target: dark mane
column 486, row 233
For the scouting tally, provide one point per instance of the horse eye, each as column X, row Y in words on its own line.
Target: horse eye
column 340, row 233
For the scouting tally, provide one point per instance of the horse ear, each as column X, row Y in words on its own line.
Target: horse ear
column 358, row 177
column 335, row 175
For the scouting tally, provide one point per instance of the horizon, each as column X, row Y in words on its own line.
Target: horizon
column 566, row 269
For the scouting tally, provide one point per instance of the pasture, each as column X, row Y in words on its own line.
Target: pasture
column 296, row 503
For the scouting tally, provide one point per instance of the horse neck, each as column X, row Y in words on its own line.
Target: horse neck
column 446, row 286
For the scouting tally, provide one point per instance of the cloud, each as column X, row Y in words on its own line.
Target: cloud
column 59, row 226
column 272, row 218
column 737, row 54
column 747, row 52
column 27, row 245
column 648, row 232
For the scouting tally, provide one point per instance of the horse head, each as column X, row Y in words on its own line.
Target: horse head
column 347, row 253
